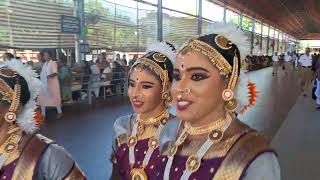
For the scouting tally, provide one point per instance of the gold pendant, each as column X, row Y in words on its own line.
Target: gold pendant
column 138, row 174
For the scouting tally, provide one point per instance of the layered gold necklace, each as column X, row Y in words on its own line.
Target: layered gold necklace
column 138, row 129
column 215, row 132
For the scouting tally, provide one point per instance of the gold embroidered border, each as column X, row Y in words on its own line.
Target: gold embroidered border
column 6, row 91
column 29, row 157
column 240, row 156
column 75, row 174
column 215, row 57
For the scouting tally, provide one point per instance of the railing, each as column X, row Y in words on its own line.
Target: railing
column 91, row 84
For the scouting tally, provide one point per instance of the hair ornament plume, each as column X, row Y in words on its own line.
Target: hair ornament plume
column 163, row 48
column 252, row 97
column 233, row 33
column 26, row 118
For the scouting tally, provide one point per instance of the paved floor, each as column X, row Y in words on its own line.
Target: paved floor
column 86, row 131
column 297, row 142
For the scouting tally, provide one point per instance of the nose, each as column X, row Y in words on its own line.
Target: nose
column 181, row 87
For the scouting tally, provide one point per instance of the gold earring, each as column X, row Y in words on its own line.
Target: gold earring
column 231, row 106
column 227, row 95
column 167, row 96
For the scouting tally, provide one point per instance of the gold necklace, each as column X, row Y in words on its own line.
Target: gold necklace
column 206, row 128
column 153, row 142
column 153, row 120
column 193, row 162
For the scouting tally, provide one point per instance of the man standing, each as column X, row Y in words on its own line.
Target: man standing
column 50, row 92
column 305, row 65
column 287, row 62
column 275, row 59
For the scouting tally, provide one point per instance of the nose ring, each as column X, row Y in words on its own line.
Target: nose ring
column 184, row 92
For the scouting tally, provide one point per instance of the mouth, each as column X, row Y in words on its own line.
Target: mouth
column 137, row 104
column 183, row 104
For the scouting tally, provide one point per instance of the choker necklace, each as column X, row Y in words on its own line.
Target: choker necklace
column 153, row 143
column 153, row 120
column 194, row 160
column 206, row 128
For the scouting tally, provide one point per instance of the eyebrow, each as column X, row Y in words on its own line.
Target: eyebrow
column 196, row 69
column 147, row 82
column 144, row 82
column 192, row 69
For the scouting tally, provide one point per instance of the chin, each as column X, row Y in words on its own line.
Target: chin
column 184, row 116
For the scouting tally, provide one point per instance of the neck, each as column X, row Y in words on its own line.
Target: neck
column 209, row 118
column 157, row 111
column 4, row 127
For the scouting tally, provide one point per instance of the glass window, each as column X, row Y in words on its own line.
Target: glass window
column 271, row 33
column 152, row 1
column 178, row 28
column 258, row 28
column 264, row 45
column 127, row 3
column 276, row 34
column 212, row 11
column 232, row 17
column 246, row 24
column 265, row 30
column 147, row 25
column 280, row 36
column 181, row 5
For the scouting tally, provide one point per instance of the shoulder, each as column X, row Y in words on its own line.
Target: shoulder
column 122, row 127
column 55, row 163
column 264, row 166
column 169, row 134
column 244, row 151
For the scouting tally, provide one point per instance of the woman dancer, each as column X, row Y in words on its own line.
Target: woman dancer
column 209, row 142
column 136, row 135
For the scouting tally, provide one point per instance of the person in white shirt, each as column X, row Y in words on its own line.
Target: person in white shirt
column 95, row 78
column 305, row 65
column 275, row 59
column 295, row 59
column 288, row 61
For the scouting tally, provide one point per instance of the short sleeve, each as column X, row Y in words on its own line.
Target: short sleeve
column 55, row 164
column 54, row 67
column 265, row 166
column 301, row 59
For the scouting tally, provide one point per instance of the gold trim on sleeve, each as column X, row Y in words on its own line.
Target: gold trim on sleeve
column 241, row 154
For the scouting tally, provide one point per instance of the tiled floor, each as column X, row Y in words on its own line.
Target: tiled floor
column 86, row 131
column 297, row 142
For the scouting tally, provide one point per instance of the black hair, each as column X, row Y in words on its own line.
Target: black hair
column 48, row 51
column 9, row 55
column 25, row 93
column 228, row 54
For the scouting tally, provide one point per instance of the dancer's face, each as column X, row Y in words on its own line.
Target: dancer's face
column 145, row 91
column 195, row 72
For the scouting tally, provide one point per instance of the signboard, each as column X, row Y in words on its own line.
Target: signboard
column 69, row 24
column 84, row 48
